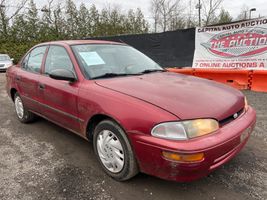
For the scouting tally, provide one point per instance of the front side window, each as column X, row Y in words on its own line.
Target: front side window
column 97, row 60
column 58, row 58
column 33, row 61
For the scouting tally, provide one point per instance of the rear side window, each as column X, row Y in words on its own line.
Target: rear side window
column 33, row 61
column 58, row 58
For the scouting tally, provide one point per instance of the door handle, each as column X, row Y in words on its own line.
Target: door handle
column 41, row 86
column 18, row 78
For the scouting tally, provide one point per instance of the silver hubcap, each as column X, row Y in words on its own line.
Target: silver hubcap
column 110, row 151
column 19, row 107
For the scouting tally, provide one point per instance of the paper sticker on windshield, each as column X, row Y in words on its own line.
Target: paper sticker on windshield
column 92, row 58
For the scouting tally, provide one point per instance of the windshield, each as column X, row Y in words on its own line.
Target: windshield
column 100, row 60
column 4, row 58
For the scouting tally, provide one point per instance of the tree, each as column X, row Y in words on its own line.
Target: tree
column 167, row 14
column 155, row 10
column 190, row 18
column 135, row 23
column 17, row 31
column 244, row 12
column 210, row 7
column 84, row 21
column 115, row 21
column 95, row 17
column 52, row 25
column 140, row 25
column 177, row 23
column 71, row 20
column 224, row 17
column 111, row 21
column 32, row 21
column 4, row 18
column 24, row 24
column 59, row 20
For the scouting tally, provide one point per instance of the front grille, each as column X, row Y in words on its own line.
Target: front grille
column 231, row 118
column 2, row 65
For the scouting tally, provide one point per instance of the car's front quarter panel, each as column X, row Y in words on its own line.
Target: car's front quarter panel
column 134, row 115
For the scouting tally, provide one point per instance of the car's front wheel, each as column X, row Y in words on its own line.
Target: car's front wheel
column 23, row 114
column 114, row 151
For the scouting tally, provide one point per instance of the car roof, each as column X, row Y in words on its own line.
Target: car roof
column 4, row 55
column 76, row 42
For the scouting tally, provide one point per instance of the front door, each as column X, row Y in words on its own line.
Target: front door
column 59, row 97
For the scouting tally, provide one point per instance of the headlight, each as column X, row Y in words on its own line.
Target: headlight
column 185, row 129
column 8, row 65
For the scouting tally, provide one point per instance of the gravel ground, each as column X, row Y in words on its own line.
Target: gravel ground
column 43, row 161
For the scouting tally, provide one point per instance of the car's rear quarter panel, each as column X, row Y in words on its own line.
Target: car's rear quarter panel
column 10, row 79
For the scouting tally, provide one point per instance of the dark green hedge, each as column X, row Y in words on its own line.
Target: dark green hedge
column 15, row 49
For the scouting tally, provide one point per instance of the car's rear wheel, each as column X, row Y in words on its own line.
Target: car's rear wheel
column 23, row 114
column 114, row 151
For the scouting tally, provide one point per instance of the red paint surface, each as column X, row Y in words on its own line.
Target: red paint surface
column 138, row 103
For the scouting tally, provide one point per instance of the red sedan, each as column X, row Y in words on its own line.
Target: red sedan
column 139, row 116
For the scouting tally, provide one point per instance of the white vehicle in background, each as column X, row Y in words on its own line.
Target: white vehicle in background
column 5, row 62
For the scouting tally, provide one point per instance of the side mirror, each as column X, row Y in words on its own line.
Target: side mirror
column 62, row 74
column 12, row 59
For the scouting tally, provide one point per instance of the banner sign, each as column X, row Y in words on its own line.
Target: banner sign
column 240, row 45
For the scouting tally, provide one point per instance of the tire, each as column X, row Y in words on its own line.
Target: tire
column 110, row 151
column 24, row 115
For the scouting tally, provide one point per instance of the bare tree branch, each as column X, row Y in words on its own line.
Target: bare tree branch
column 18, row 9
column 210, row 7
column 166, row 13
column 155, row 7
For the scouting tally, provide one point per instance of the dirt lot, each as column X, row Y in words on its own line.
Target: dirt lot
column 44, row 161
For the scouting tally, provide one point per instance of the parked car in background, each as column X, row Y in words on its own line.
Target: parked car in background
column 139, row 116
column 5, row 62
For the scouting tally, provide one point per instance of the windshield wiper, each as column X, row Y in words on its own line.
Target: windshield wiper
column 109, row 75
column 152, row 70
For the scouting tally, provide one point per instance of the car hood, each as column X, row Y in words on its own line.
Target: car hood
column 187, row 97
column 5, row 62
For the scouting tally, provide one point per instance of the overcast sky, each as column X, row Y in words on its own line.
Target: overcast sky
column 234, row 6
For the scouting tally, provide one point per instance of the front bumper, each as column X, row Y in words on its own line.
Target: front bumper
column 218, row 148
column 4, row 68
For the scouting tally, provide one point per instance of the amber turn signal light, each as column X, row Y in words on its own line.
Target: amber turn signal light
column 186, row 158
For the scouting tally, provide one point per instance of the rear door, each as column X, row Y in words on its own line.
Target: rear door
column 59, row 97
column 27, row 78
